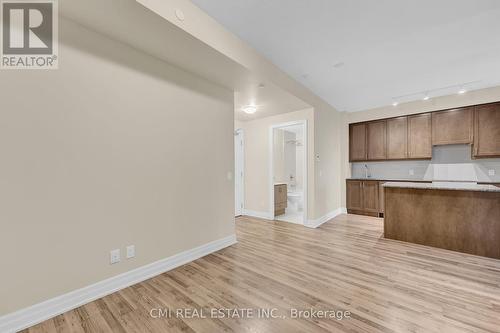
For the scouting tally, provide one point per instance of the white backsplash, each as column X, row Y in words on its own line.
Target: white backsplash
column 449, row 163
column 458, row 172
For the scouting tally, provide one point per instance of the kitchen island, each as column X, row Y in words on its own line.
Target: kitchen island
column 461, row 217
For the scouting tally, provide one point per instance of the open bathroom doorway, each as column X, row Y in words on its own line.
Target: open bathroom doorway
column 288, row 170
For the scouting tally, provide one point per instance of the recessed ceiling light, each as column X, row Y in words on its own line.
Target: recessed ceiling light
column 462, row 91
column 395, row 103
column 249, row 109
column 426, row 97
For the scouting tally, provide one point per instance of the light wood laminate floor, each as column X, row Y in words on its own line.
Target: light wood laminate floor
column 345, row 264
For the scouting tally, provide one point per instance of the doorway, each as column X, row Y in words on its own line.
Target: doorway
column 288, row 169
column 238, row 172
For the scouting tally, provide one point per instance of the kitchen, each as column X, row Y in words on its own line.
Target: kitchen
column 434, row 177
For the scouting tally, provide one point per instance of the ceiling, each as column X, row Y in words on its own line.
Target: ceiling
column 269, row 99
column 361, row 54
column 112, row 18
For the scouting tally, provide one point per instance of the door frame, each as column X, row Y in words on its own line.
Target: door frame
column 304, row 167
column 239, row 193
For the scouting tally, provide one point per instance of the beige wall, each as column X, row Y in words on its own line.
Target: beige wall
column 114, row 148
column 324, row 175
column 257, row 155
column 327, row 125
column 279, row 162
column 438, row 103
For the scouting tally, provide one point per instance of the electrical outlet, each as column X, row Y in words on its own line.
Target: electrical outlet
column 130, row 251
column 114, row 256
column 491, row 172
column 411, row 172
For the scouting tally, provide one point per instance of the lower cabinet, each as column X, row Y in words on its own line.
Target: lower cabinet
column 363, row 197
column 354, row 195
column 381, row 198
column 367, row 197
column 280, row 199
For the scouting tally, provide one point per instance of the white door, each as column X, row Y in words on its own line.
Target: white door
column 238, row 172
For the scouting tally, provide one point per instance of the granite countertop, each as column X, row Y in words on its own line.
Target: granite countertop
column 445, row 186
column 390, row 179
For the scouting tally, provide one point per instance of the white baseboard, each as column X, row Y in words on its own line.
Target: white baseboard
column 40, row 312
column 260, row 215
column 317, row 222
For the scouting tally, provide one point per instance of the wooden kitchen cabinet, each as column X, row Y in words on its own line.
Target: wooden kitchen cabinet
column 370, row 197
column 357, row 142
column 413, row 136
column 397, row 138
column 376, row 140
column 367, row 197
column 354, row 195
column 381, row 198
column 363, row 197
column 280, row 199
column 420, row 136
column 487, row 131
column 452, row 126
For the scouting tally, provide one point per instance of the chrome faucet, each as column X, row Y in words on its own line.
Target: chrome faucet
column 367, row 172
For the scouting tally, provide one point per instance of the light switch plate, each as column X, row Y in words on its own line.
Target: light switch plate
column 114, row 256
column 491, row 172
column 130, row 251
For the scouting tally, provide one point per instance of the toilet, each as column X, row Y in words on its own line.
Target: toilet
column 294, row 199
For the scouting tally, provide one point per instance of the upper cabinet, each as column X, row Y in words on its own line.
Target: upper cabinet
column 357, row 142
column 376, row 140
column 487, row 131
column 419, row 136
column 412, row 137
column 452, row 126
column 397, row 138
